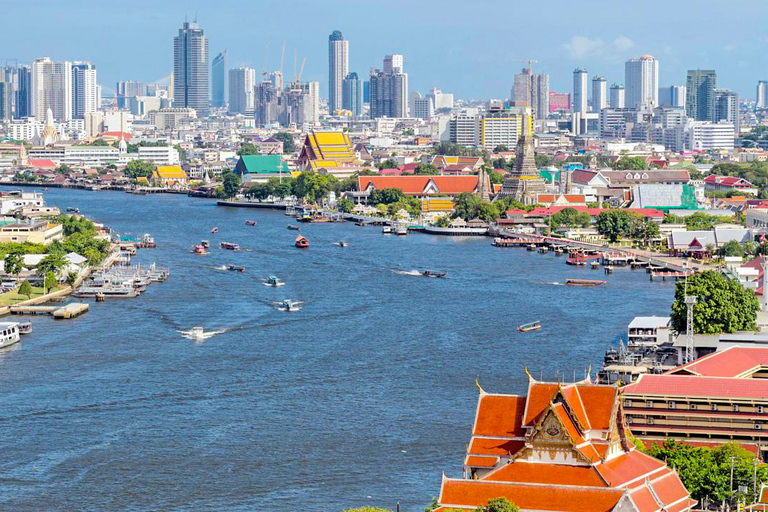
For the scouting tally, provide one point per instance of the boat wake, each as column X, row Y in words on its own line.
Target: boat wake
column 199, row 334
column 274, row 285
column 221, row 267
column 407, row 272
column 553, row 283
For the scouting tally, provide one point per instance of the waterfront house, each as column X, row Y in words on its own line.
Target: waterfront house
column 170, row 176
column 561, row 447
column 715, row 399
column 698, row 243
column 259, row 168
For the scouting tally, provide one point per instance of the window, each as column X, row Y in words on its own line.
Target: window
column 649, row 404
column 735, row 407
column 650, row 420
column 760, row 409
column 627, row 403
column 671, row 404
column 714, row 407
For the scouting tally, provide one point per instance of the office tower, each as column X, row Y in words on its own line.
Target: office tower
column 672, row 96
column 23, row 91
column 190, row 69
column 532, row 89
column 389, row 89
column 440, row 99
column 367, row 91
column 500, row 126
column 641, row 78
column 311, row 93
column 85, row 90
column 462, row 129
column 266, row 98
column 338, row 69
column 219, row 80
column 6, row 100
column 129, row 89
column 51, row 88
column 700, row 94
column 242, row 82
column 762, row 94
column 352, row 94
column 617, row 96
column 580, row 91
column 599, row 94
column 727, row 108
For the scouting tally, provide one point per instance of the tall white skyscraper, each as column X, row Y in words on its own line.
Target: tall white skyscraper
column 580, row 91
column 338, row 69
column 51, row 88
column 599, row 94
column 617, row 96
column 85, row 90
column 241, row 90
column 190, row 69
column 762, row 94
column 641, row 78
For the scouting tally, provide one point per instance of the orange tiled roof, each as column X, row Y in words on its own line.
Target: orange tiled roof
column 478, row 461
column 494, row 446
column 624, row 469
column 499, row 415
column 528, row 472
column 416, row 185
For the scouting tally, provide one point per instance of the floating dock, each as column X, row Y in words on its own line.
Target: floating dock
column 71, row 310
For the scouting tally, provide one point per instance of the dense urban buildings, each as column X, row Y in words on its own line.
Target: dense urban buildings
column 85, row 90
column 532, row 89
column 219, row 80
column 352, row 94
column 126, row 90
column 617, row 98
column 51, row 89
column 338, row 69
column 191, row 69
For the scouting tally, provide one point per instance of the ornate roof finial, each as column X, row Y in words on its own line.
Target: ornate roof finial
column 530, row 377
column 479, row 387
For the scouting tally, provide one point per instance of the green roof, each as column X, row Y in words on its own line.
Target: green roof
column 548, row 175
column 261, row 164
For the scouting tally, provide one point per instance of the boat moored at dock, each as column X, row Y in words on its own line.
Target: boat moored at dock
column 9, row 334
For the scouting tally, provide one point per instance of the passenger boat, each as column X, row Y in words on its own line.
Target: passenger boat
column 273, row 281
column 401, row 230
column 386, row 230
column 250, row 223
column 148, row 242
column 127, row 292
column 532, row 326
column 531, row 247
column 205, row 243
column 236, row 268
column 229, row 246
column 584, row 282
column 25, row 327
column 302, row 242
column 197, row 333
column 214, row 230
column 9, row 334
column 198, row 249
column 72, row 209
column 434, row 273
column 291, row 226
column 595, row 264
column 288, row 305
column 576, row 258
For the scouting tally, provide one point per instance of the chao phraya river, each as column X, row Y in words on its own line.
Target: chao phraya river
column 363, row 397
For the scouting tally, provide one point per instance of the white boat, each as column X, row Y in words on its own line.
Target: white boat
column 9, row 334
column 288, row 305
column 197, row 333
column 273, row 281
column 386, row 230
column 401, row 229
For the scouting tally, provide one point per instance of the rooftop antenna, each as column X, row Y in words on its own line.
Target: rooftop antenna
column 689, row 300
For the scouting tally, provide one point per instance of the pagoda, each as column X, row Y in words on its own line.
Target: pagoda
column 562, row 447
column 523, row 182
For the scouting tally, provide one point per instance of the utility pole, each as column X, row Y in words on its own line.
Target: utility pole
column 732, row 462
column 689, row 300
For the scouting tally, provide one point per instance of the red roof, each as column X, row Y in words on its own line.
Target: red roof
column 499, row 415
column 546, row 211
column 530, row 472
column 693, row 385
column 731, row 362
column 727, row 181
column 125, row 135
column 41, row 163
column 416, row 185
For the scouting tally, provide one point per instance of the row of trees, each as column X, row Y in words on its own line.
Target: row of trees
column 615, row 224
column 701, row 221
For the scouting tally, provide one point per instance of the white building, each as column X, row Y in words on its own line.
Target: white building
column 338, row 69
column 617, row 96
column 642, row 82
column 462, row 129
column 440, row 99
column 29, row 128
column 580, row 91
column 159, row 155
column 705, row 135
column 599, row 94
column 11, row 203
column 421, row 107
column 51, row 88
column 241, row 90
column 762, row 94
column 85, row 90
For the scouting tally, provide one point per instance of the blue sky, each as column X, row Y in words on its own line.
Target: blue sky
column 469, row 48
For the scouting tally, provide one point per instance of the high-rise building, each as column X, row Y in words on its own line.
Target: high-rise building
column 242, row 82
column 6, row 97
column 422, row 107
column 501, row 126
column 389, row 89
column 700, row 94
column 266, row 103
column 599, row 94
column 190, row 69
column 219, row 80
column 85, row 90
column 23, row 91
column 532, row 89
column 580, row 93
column 352, row 94
column 440, row 99
column 559, row 101
column 761, row 99
column 338, row 69
column 641, row 78
column 617, row 96
column 462, row 129
column 727, row 108
column 51, row 88
column 128, row 89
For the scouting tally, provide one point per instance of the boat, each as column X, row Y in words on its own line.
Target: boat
column 9, row 334
column 531, row 247
column 214, row 230
column 25, row 327
column 205, row 243
column 401, row 230
column 595, row 264
column 342, row 243
column 386, row 230
column 577, row 258
column 291, row 226
column 288, row 305
column 197, row 333
column 273, row 281
column 250, row 223
column 584, row 282
column 198, row 249
column 434, row 273
column 532, row 326
column 72, row 209
column 148, row 242
column 236, row 268
column 302, row 242
column 229, row 246
column 124, row 291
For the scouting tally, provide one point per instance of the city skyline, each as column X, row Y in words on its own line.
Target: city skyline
column 480, row 71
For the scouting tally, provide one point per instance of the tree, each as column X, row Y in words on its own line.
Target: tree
column 499, row 505
column 488, row 212
column 25, row 289
column 345, row 205
column 571, row 218
column 732, row 248
column 248, row 148
column 230, row 183
column 13, row 264
column 388, row 164
column 612, row 224
column 289, row 146
column 54, row 262
column 426, row 170
column 138, row 169
column 632, row 163
column 467, row 206
column 50, row 281
column 722, row 305
column 72, row 278
column 501, row 148
column 386, row 196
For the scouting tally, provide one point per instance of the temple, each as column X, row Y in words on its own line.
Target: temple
column 523, row 182
column 562, row 447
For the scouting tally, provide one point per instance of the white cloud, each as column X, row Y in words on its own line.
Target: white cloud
column 580, row 47
column 623, row 43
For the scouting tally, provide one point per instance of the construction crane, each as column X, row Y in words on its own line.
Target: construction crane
column 530, row 62
column 301, row 70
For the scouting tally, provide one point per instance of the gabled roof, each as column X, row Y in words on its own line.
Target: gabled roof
column 694, row 385
column 499, row 415
column 727, row 181
column 170, row 172
column 732, row 362
column 261, row 164
column 418, row 185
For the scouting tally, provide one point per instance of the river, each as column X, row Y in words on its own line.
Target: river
column 361, row 398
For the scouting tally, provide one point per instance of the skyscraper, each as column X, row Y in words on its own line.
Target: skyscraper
column 6, row 96
column 599, row 94
column 580, row 91
column 242, row 82
column 532, row 89
column 51, row 88
column 389, row 89
column 672, row 96
column 129, row 89
column 190, row 69
column 617, row 96
column 700, row 94
column 219, row 80
column 352, row 94
column 23, row 91
column 762, row 94
column 727, row 108
column 85, row 94
column 641, row 78
column 338, row 69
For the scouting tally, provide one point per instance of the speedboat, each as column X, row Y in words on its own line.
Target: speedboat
column 236, row 268
column 302, row 242
column 273, row 281
column 214, row 230
column 229, row 246
column 532, row 326
column 198, row 249
column 291, row 226
column 250, row 223
column 342, row 243
column 434, row 273
column 198, row 333
column 72, row 209
column 288, row 305
column 148, row 242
